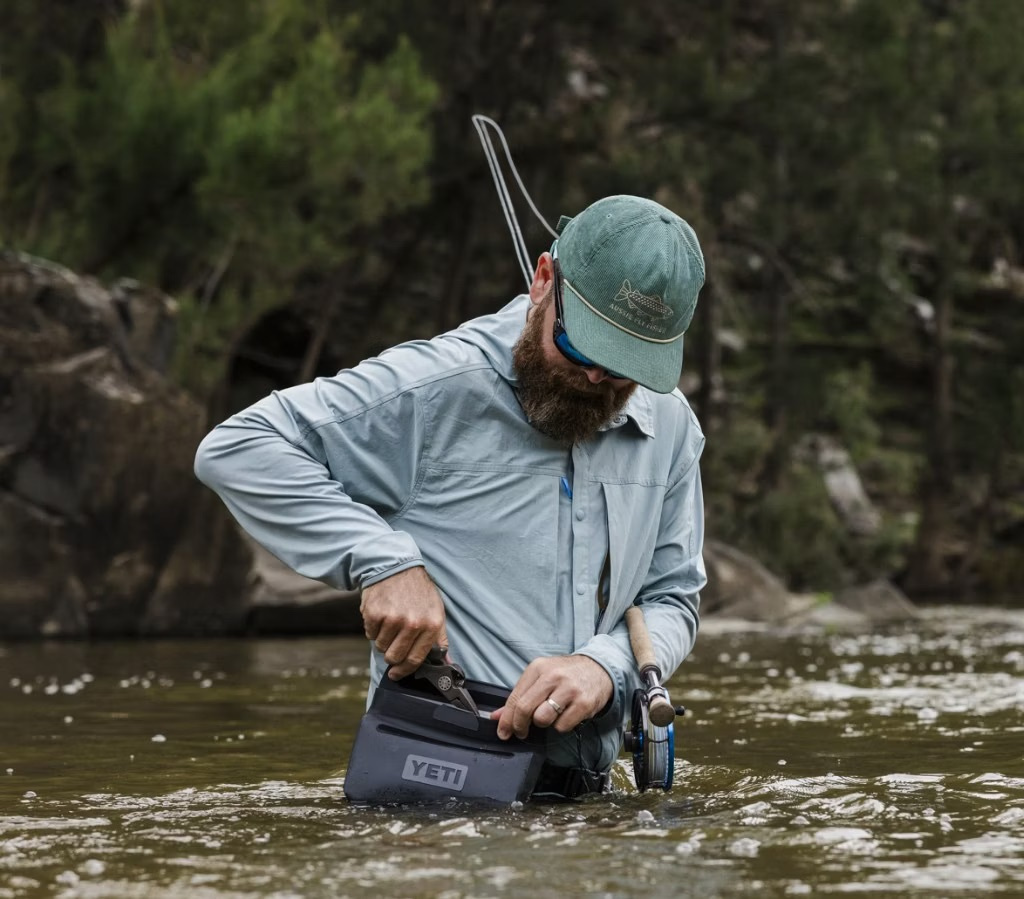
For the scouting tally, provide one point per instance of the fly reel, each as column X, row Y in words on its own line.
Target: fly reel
column 651, row 735
column 652, row 747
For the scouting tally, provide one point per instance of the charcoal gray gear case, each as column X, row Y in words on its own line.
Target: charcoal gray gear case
column 428, row 738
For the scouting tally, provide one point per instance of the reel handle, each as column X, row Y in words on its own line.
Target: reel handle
column 660, row 711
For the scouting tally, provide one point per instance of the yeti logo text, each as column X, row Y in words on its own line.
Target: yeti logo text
column 436, row 772
column 652, row 307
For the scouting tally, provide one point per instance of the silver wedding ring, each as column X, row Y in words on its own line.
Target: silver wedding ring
column 558, row 709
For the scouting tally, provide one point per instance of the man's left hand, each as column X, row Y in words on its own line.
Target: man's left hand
column 575, row 684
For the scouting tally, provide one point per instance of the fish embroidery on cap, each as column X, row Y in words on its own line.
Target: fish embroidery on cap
column 652, row 307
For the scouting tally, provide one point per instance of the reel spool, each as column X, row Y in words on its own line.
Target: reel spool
column 652, row 747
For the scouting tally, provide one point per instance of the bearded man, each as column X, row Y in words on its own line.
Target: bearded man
column 509, row 489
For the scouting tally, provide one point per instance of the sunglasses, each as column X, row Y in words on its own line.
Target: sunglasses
column 562, row 339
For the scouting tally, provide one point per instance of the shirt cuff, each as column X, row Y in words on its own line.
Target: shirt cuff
column 383, row 556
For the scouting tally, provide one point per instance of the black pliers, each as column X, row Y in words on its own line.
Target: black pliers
column 447, row 678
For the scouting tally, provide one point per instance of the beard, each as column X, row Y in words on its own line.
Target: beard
column 561, row 403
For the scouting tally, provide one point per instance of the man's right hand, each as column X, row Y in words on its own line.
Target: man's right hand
column 404, row 616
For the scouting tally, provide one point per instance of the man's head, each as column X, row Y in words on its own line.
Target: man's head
column 609, row 309
column 631, row 271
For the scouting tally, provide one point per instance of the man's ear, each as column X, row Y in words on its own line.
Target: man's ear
column 543, row 277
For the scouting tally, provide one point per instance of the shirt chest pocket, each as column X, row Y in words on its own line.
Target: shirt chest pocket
column 634, row 515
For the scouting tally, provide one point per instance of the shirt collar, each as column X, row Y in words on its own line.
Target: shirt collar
column 641, row 410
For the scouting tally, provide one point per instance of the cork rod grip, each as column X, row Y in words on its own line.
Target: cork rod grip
column 640, row 640
column 660, row 710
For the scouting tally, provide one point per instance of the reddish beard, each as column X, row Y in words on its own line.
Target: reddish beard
column 561, row 402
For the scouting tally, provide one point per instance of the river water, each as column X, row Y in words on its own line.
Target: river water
column 810, row 763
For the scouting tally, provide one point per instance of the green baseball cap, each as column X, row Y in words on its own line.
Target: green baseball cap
column 632, row 270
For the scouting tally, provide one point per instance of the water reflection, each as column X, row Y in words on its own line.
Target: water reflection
column 809, row 764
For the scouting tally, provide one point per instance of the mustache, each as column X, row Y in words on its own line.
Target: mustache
column 578, row 382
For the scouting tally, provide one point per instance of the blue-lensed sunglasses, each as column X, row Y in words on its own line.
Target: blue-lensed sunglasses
column 562, row 339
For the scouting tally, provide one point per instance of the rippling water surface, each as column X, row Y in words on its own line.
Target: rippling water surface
column 809, row 764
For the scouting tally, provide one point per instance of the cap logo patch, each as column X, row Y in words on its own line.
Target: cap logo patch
column 651, row 307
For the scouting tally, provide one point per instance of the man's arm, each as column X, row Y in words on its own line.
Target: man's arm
column 313, row 473
column 670, row 598
column 600, row 677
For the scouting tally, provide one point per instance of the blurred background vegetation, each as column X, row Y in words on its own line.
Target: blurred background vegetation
column 302, row 176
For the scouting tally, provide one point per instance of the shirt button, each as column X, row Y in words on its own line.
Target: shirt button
column 580, row 589
column 580, row 515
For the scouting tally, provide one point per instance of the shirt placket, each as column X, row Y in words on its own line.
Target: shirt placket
column 582, row 529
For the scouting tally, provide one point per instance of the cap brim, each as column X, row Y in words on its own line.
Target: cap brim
column 656, row 366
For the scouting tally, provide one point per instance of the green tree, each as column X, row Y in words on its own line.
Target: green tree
column 229, row 157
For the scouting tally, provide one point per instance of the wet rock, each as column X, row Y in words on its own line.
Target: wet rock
column 823, row 612
column 854, row 608
column 741, row 587
column 96, row 445
column 285, row 602
column 206, row 585
column 880, row 601
column 34, row 566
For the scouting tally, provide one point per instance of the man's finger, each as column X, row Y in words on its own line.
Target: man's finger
column 398, row 651
column 546, row 715
column 403, row 657
column 528, row 706
column 570, row 717
column 414, row 656
column 507, row 722
column 505, row 718
column 387, row 633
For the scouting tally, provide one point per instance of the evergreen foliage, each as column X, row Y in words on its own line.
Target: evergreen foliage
column 220, row 156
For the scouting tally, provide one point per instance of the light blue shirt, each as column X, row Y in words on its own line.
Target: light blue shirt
column 423, row 456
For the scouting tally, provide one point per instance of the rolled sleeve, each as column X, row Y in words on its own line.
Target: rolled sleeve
column 314, row 477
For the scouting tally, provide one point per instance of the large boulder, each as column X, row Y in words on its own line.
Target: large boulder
column 741, row 587
column 881, row 601
column 284, row 602
column 869, row 606
column 97, row 495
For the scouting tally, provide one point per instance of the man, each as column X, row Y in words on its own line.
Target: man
column 507, row 490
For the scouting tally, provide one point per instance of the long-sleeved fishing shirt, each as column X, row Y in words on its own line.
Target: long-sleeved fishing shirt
column 423, row 456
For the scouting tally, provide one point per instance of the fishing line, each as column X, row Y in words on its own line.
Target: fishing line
column 482, row 123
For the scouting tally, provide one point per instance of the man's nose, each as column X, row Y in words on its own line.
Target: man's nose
column 596, row 375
